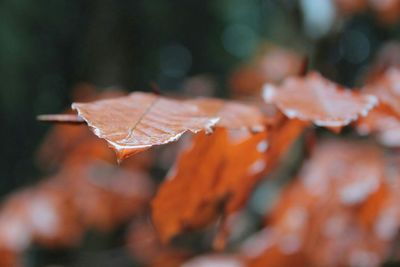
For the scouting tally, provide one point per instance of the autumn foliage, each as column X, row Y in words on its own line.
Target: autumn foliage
column 342, row 201
column 338, row 148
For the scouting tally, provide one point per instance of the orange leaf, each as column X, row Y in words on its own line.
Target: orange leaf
column 198, row 191
column 139, row 121
column 184, row 200
column 318, row 100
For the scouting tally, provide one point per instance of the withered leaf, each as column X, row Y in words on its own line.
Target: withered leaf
column 138, row 121
column 181, row 203
column 197, row 192
column 316, row 99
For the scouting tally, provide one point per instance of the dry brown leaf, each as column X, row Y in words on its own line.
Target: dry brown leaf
column 197, row 192
column 138, row 121
column 223, row 181
column 181, row 203
column 316, row 99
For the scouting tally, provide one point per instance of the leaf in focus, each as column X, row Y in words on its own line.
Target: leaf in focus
column 138, row 121
column 318, row 100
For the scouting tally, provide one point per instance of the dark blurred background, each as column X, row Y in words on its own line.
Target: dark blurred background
column 49, row 47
